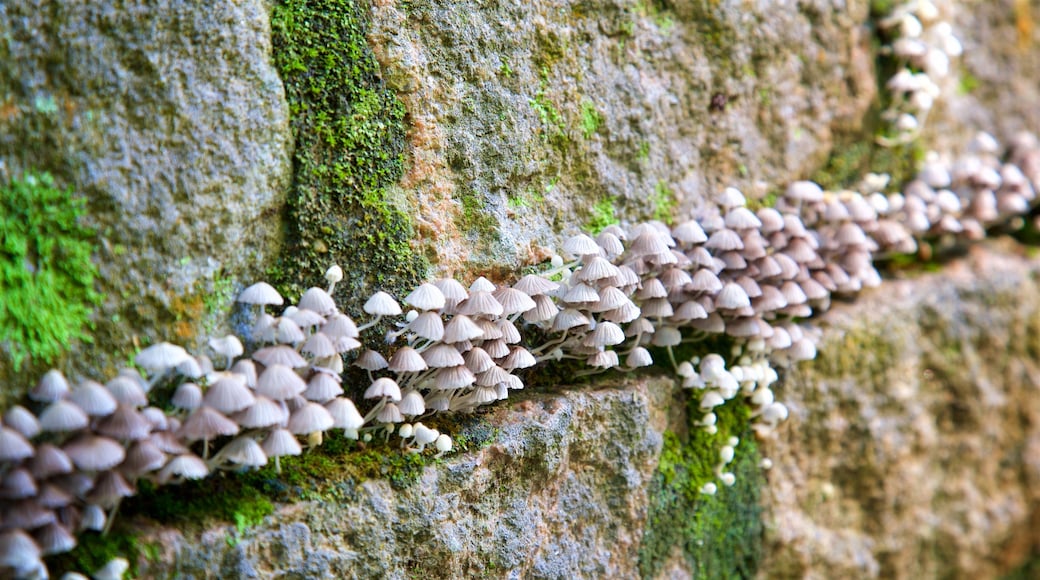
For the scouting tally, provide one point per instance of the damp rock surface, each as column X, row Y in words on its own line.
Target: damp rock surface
column 913, row 445
column 169, row 119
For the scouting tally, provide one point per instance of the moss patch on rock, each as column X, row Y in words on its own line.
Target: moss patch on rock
column 350, row 139
column 46, row 272
column 717, row 536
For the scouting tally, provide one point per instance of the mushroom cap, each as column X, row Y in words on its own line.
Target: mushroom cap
column 319, row 345
column 638, row 357
column 310, row 418
column 334, row 274
column 605, row 334
column 264, row 412
column 412, row 404
column 545, row 309
column 482, row 284
column 94, row 453
column 51, row 387
column 229, row 394
column 109, row 488
column 260, row 293
column 17, row 484
column 286, row 331
column 161, row 357
column 125, row 424
column 340, row 325
column 94, row 399
column 142, row 457
column 54, row 539
column 534, row 285
column 18, row 550
column 426, row 297
column 371, row 360
column 280, row 382
column 689, row 232
column 323, row 387
column 581, row 245
column 452, row 290
column 481, row 303
column 456, row 377
column 344, row 414
column 460, row 329
column 186, row 466
column 442, row 355
column 389, row 414
column 244, row 451
column 22, row 420
column 804, row 191
column 188, row 396
column 127, row 391
column 581, row 293
column 732, row 297
column 428, row 325
column 518, row 358
column 514, row 301
column 424, row 435
column 228, row 346
column 49, row 461
column 382, row 304
column 384, row 387
column 407, row 360
column 280, row 442
column 206, row 423
column 13, row 446
column 317, row 300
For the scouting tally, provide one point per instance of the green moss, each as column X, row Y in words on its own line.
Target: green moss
column 855, row 155
column 718, row 536
column 590, row 119
column 664, row 202
column 46, row 272
column 478, row 223
column 94, row 550
column 553, row 127
column 603, row 214
column 350, row 139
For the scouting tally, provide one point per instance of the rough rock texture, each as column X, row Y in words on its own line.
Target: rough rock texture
column 561, row 492
column 531, row 120
column 170, row 120
column 913, row 446
column 996, row 87
column 912, row 451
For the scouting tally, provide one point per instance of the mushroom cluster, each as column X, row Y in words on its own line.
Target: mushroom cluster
column 922, row 43
column 71, row 454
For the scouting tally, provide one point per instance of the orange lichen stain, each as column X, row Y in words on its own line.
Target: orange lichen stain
column 186, row 310
column 8, row 110
column 1024, row 24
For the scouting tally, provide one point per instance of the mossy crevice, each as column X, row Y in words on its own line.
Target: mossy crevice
column 344, row 206
column 717, row 536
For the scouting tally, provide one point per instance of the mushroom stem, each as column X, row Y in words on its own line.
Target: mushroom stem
column 371, row 323
column 277, row 465
column 111, row 517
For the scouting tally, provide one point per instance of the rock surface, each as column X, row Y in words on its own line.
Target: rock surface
column 170, row 120
column 530, row 121
column 913, row 447
column 913, row 450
